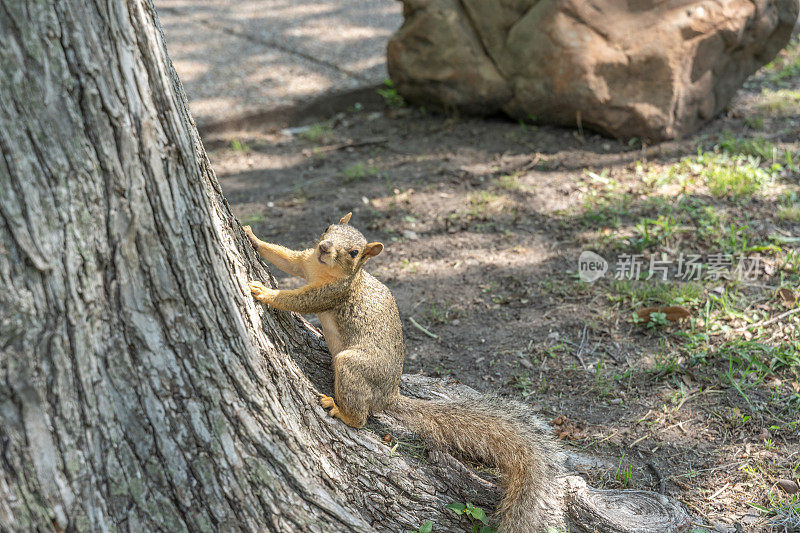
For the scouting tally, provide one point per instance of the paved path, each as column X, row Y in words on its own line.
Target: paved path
column 244, row 57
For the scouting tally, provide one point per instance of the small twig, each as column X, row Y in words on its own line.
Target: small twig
column 781, row 316
column 606, row 438
column 350, row 144
column 695, row 395
column 658, row 475
column 422, row 329
column 712, row 469
column 725, row 486
column 580, row 348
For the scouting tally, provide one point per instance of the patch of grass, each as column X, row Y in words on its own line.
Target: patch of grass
column 390, row 95
column 782, row 103
column 789, row 208
column 643, row 293
column 624, row 472
column 509, row 182
column 441, row 313
column 728, row 175
column 358, row 171
column 525, row 383
column 786, row 65
column 255, row 218
column 320, row 132
column 604, row 204
column 754, row 123
column 733, row 177
column 239, row 146
column 758, row 147
column 785, row 513
column 789, row 213
column 478, row 203
column 651, row 233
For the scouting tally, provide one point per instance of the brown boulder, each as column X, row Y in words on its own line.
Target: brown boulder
column 637, row 68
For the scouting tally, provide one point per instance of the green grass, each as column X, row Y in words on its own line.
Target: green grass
column 255, row 218
column 321, row 132
column 239, row 146
column 624, row 472
column 786, row 65
column 509, row 182
column 649, row 293
column 358, row 171
column 781, row 103
column 478, row 203
column 758, row 147
column 390, row 95
column 726, row 175
column 731, row 176
column 789, row 213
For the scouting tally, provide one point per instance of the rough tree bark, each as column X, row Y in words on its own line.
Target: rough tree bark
column 141, row 388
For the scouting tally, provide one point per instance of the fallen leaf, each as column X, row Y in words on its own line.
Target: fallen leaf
column 672, row 312
column 788, row 486
column 787, row 297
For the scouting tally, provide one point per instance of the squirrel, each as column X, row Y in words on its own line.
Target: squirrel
column 361, row 325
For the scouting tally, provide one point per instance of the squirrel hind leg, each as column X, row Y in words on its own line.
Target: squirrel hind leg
column 350, row 420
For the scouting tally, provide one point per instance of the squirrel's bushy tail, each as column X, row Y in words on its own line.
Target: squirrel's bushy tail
column 502, row 434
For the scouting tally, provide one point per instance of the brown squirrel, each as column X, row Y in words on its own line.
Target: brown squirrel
column 362, row 327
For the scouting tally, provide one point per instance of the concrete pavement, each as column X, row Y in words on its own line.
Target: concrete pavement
column 241, row 58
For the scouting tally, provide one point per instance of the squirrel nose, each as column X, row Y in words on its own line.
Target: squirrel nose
column 325, row 246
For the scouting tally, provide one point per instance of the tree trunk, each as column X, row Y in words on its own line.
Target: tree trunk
column 141, row 388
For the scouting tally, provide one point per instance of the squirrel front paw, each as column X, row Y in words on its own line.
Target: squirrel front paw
column 250, row 235
column 261, row 292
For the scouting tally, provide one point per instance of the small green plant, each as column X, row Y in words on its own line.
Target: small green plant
column 761, row 148
column 239, row 146
column 737, row 176
column 650, row 233
column 390, row 95
column 657, row 320
column 787, row 64
column 354, row 172
column 427, row 527
column 509, row 182
column 782, row 103
column 479, row 203
column 624, row 472
column 525, row 383
column 441, row 313
column 754, row 123
column 476, row 515
column 321, row 132
column 358, row 171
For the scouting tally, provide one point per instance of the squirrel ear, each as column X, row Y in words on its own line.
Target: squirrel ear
column 373, row 249
column 345, row 219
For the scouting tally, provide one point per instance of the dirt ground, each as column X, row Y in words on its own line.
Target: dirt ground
column 484, row 220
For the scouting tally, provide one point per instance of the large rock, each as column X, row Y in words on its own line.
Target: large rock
column 637, row 68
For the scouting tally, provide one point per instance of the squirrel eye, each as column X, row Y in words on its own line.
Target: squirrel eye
column 353, row 253
column 326, row 229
